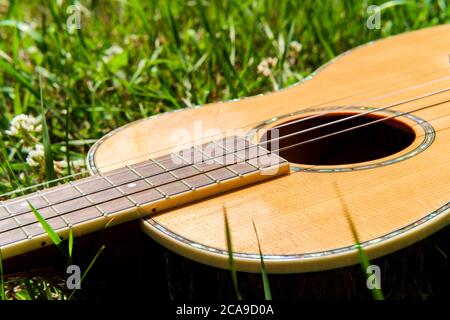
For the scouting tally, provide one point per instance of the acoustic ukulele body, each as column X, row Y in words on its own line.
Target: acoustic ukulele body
column 393, row 176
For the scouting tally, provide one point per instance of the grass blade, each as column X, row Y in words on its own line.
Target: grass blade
column 172, row 24
column 30, row 293
column 50, row 231
column 330, row 53
column 285, row 51
column 221, row 54
column 377, row 294
column 67, row 129
column 13, row 179
column 265, row 278
column 70, row 241
column 70, row 246
column 49, row 169
column 142, row 15
column 230, row 256
column 24, row 28
column 88, row 269
column 19, row 77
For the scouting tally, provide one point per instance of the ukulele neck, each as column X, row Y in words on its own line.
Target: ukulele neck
column 135, row 191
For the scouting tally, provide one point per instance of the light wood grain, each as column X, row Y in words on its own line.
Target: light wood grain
column 301, row 213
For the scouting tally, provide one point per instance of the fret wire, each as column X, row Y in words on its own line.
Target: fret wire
column 147, row 181
column 19, row 225
column 175, row 176
column 103, row 213
column 257, row 157
column 224, row 164
column 123, row 193
column 201, row 151
column 58, row 213
column 194, row 166
column 98, row 177
column 226, row 149
column 165, row 195
column 236, row 154
column 139, row 175
column 50, row 205
column 39, row 192
column 114, row 186
column 64, row 187
column 232, row 153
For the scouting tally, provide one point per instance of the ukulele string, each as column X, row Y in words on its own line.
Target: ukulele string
column 357, row 115
column 90, row 206
column 84, row 172
column 374, row 98
column 305, row 167
column 201, row 140
column 360, row 126
column 303, row 119
column 151, row 187
column 200, row 173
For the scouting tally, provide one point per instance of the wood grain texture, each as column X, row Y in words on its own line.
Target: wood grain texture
column 301, row 213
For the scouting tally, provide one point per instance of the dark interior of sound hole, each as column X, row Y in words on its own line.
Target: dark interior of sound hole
column 367, row 143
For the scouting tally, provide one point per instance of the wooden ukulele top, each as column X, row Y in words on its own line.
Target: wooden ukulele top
column 395, row 201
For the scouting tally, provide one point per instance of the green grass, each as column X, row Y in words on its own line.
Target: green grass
column 43, row 287
column 168, row 55
column 262, row 268
column 133, row 59
column 231, row 263
column 377, row 293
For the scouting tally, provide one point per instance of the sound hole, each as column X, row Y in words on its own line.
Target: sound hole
column 371, row 142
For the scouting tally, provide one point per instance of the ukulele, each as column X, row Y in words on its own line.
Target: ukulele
column 362, row 143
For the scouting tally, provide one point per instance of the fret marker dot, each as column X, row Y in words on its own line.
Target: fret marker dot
column 131, row 185
column 24, row 204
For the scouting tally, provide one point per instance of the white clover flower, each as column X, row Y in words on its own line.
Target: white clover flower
column 32, row 49
column 35, row 156
column 24, row 123
column 295, row 46
column 76, row 165
column 111, row 52
column 293, row 52
column 266, row 66
column 131, row 39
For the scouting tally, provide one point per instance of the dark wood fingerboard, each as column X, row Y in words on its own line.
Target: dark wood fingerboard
column 136, row 190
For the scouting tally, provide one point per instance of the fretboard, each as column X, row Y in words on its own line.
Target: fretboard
column 135, row 191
